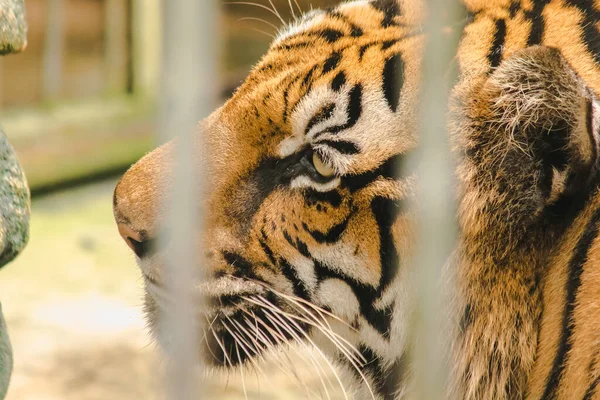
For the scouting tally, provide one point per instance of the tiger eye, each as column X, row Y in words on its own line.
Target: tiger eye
column 321, row 167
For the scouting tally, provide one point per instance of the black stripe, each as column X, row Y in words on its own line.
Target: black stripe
column 387, row 379
column 467, row 318
column 354, row 111
column 338, row 81
column 387, row 170
column 333, row 235
column 242, row 267
column 591, row 16
column 366, row 295
column 389, row 8
column 363, row 49
column 591, row 391
column 537, row 22
column 332, row 62
column 576, row 265
column 386, row 212
column 330, row 35
column 495, row 55
column 393, row 78
column 286, row 93
column 289, row 272
column 294, row 46
column 388, row 43
column 355, row 31
column 342, row 146
column 312, row 196
column 323, row 114
column 265, row 247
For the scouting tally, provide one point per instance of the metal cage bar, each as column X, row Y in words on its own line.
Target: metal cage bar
column 436, row 212
column 188, row 94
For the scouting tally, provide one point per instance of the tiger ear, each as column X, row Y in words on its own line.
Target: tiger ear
column 541, row 125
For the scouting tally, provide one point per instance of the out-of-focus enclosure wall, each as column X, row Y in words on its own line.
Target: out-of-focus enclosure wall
column 81, row 101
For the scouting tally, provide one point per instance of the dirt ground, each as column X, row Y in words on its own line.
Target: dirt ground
column 73, row 306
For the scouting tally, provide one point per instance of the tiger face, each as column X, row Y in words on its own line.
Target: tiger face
column 306, row 225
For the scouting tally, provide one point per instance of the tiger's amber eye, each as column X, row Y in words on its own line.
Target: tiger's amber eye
column 322, row 168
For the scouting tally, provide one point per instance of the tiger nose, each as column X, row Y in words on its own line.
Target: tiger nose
column 137, row 200
column 137, row 241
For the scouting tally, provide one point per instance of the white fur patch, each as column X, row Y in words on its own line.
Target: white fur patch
column 302, row 24
column 304, row 181
column 339, row 256
column 305, row 269
column 339, row 297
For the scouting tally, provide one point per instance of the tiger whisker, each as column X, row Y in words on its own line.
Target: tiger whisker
column 209, row 349
column 342, row 349
column 237, row 350
column 238, row 339
column 325, row 325
column 259, row 20
column 316, row 365
column 333, row 336
column 255, row 344
column 264, row 33
column 298, row 5
column 328, row 333
column 292, row 9
column 222, row 346
column 276, row 11
column 247, row 347
column 249, row 3
column 290, row 366
column 305, row 302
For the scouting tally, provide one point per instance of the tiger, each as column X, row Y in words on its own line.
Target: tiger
column 309, row 235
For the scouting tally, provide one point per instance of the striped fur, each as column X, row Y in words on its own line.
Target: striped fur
column 296, row 255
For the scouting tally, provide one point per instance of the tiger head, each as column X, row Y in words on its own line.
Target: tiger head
column 306, row 224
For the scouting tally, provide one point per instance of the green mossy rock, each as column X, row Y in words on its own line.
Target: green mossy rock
column 13, row 26
column 14, row 233
column 5, row 357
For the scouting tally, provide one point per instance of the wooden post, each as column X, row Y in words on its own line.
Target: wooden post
column 146, row 47
column 115, row 45
column 53, row 50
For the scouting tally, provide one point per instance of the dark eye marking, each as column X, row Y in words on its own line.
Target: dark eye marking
column 342, row 146
column 323, row 114
column 388, row 170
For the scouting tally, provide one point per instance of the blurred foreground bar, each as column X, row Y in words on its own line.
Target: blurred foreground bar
column 435, row 199
column 189, row 88
column 13, row 27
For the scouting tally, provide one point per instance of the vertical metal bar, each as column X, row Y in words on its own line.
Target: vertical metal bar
column 53, row 50
column 435, row 210
column 115, row 50
column 189, row 86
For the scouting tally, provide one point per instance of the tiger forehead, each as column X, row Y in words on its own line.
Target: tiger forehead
column 346, row 45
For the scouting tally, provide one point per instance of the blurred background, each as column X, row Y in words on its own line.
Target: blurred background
column 79, row 106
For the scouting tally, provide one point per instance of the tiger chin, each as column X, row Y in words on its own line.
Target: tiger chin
column 308, row 234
